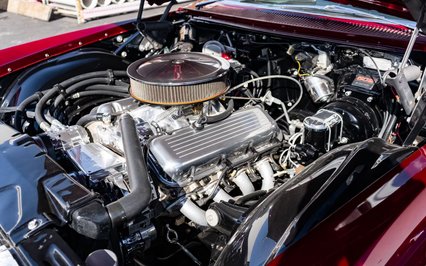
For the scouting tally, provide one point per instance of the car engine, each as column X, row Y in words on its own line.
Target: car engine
column 172, row 154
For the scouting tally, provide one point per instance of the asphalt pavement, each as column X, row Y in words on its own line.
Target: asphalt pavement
column 16, row 29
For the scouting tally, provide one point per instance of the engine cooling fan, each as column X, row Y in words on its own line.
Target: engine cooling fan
column 178, row 78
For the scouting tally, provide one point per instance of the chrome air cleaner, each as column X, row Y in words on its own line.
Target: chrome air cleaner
column 178, row 78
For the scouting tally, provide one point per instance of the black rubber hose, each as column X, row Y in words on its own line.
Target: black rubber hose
column 84, row 120
column 44, row 125
column 112, row 93
column 65, row 84
column 98, row 92
column 221, row 116
column 65, row 111
column 87, row 82
column 103, row 86
column 78, row 86
column 122, row 83
column 132, row 204
column 123, row 89
column 97, row 74
column 254, row 195
column 86, row 108
column 21, row 108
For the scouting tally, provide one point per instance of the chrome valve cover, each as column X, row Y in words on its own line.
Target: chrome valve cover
column 189, row 154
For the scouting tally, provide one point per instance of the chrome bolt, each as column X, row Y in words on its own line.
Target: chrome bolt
column 33, row 224
column 370, row 99
column 344, row 140
column 348, row 93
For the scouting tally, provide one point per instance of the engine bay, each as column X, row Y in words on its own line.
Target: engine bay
column 203, row 125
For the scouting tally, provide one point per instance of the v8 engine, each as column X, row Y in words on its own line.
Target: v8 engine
column 190, row 149
column 166, row 159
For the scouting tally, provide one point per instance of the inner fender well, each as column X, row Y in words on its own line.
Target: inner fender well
column 44, row 75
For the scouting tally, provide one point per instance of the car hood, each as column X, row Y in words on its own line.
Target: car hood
column 397, row 8
column 417, row 10
column 407, row 9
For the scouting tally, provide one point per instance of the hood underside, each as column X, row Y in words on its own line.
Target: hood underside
column 407, row 9
column 417, row 10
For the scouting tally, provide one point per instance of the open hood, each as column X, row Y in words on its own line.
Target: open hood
column 408, row 9
column 395, row 8
column 417, row 10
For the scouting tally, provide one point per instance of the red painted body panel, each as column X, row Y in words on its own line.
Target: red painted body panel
column 384, row 225
column 24, row 55
column 406, row 235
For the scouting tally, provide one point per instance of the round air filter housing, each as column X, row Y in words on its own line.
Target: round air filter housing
column 178, row 78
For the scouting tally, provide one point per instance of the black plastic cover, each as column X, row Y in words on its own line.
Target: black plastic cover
column 36, row 194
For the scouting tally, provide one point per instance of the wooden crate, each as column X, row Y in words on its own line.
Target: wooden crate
column 83, row 15
column 30, row 9
column 3, row 4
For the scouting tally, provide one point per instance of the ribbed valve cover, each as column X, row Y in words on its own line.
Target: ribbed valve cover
column 178, row 78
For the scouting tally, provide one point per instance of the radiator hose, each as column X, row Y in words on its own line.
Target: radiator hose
column 93, row 220
column 132, row 204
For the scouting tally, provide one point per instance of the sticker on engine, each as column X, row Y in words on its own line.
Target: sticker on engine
column 365, row 82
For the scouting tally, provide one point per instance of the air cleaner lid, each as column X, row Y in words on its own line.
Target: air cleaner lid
column 178, row 69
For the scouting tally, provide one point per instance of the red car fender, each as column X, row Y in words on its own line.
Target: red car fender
column 21, row 56
column 392, row 231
